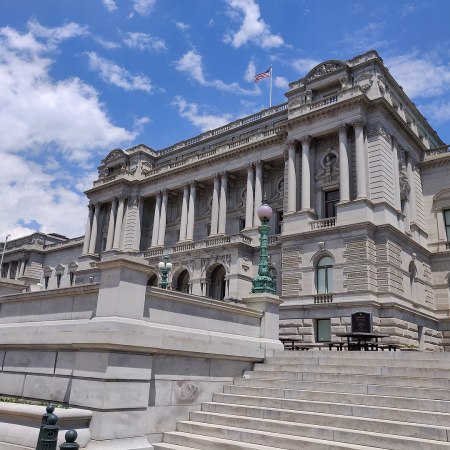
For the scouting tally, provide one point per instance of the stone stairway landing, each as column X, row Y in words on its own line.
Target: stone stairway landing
column 327, row 401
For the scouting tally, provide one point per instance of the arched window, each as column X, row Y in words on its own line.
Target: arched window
column 153, row 280
column 217, row 283
column 324, row 275
column 183, row 282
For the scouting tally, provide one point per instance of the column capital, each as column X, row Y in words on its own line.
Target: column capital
column 258, row 164
column 193, row 184
column 186, row 185
column 121, row 197
column 223, row 174
column 249, row 166
column 358, row 123
column 306, row 139
column 342, row 128
column 291, row 144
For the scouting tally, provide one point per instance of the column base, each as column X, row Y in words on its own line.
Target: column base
column 298, row 222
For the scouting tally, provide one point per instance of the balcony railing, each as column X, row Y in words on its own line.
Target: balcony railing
column 447, row 245
column 323, row 223
column 323, row 298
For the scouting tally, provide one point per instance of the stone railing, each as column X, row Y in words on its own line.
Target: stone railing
column 352, row 92
column 445, row 149
column 211, row 242
column 323, row 298
column 323, row 223
column 274, row 239
column 447, row 245
column 69, row 242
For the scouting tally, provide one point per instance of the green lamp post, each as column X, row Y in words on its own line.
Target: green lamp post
column 263, row 283
column 164, row 267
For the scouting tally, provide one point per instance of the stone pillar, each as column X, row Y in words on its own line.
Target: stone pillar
column 412, row 192
column 215, row 205
column 111, row 225
column 306, row 173
column 156, row 218
column 87, row 234
column 396, row 173
column 162, row 221
column 138, row 231
column 19, row 268
column 292, row 178
column 8, row 272
column 93, row 240
column 361, row 170
column 223, row 202
column 119, row 222
column 184, row 213
column 191, row 212
column 258, row 191
column 344, row 171
column 441, row 232
column 249, row 198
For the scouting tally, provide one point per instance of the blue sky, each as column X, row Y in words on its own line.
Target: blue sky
column 79, row 78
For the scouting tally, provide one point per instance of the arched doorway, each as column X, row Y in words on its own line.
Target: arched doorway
column 183, row 282
column 152, row 280
column 217, row 283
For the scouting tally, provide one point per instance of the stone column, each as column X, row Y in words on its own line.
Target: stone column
column 306, row 173
column 223, row 203
column 156, row 218
column 162, row 221
column 344, row 171
column 184, row 213
column 19, row 268
column 249, row 198
column 138, row 231
column 215, row 205
column 258, row 191
column 292, row 178
column 93, row 240
column 412, row 192
column 111, row 225
column 87, row 234
column 361, row 171
column 396, row 173
column 119, row 221
column 191, row 212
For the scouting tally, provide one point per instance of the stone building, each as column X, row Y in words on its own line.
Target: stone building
column 360, row 188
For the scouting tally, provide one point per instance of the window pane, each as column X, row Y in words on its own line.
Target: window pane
column 325, row 261
column 321, row 287
column 447, row 223
column 323, row 330
column 329, row 279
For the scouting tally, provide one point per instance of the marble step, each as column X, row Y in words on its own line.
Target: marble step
column 347, row 398
column 420, row 382
column 415, row 430
column 277, row 434
column 205, row 442
column 366, row 411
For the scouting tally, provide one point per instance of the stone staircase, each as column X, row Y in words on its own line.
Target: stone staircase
column 328, row 401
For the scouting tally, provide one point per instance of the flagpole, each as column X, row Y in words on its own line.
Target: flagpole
column 270, row 93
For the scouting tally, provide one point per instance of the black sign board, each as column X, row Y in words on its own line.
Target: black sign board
column 361, row 322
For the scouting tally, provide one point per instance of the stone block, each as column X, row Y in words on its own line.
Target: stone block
column 12, row 383
column 45, row 387
column 29, row 361
column 194, row 392
column 228, row 368
column 289, row 331
column 10, row 312
column 109, row 395
column 65, row 362
column 181, row 366
column 338, row 329
column 291, row 323
column 347, row 321
column 335, row 321
column 308, row 339
column 308, row 323
column 165, row 418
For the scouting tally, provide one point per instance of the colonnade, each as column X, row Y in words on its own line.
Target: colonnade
column 20, row 269
column 307, row 184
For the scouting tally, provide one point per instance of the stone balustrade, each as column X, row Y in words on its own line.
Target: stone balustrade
column 323, row 298
column 323, row 223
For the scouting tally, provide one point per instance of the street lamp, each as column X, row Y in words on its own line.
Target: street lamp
column 164, row 267
column 3, row 253
column 263, row 283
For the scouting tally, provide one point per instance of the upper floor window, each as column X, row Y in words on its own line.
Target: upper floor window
column 324, row 275
column 58, row 279
column 447, row 223
column 330, row 200
column 279, row 219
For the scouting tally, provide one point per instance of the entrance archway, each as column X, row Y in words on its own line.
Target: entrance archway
column 153, row 280
column 183, row 282
column 217, row 283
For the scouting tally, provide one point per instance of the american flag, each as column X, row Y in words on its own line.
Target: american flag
column 266, row 74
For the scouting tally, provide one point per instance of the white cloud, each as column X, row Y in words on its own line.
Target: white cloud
column 113, row 74
column 420, row 76
column 192, row 64
column 366, row 38
column 110, row 5
column 57, row 34
column 143, row 7
column 438, row 111
column 109, row 45
column 204, row 122
column 250, row 72
column 143, row 41
column 253, row 27
column 182, row 26
column 51, row 133
column 304, row 65
column 281, row 82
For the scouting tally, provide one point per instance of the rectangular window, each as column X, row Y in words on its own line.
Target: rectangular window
column 241, row 223
column 46, row 280
column 447, row 223
column 58, row 280
column 331, row 198
column 279, row 222
column 72, row 278
column 323, row 330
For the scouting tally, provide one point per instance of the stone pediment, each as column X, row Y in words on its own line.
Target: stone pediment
column 324, row 69
column 114, row 154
